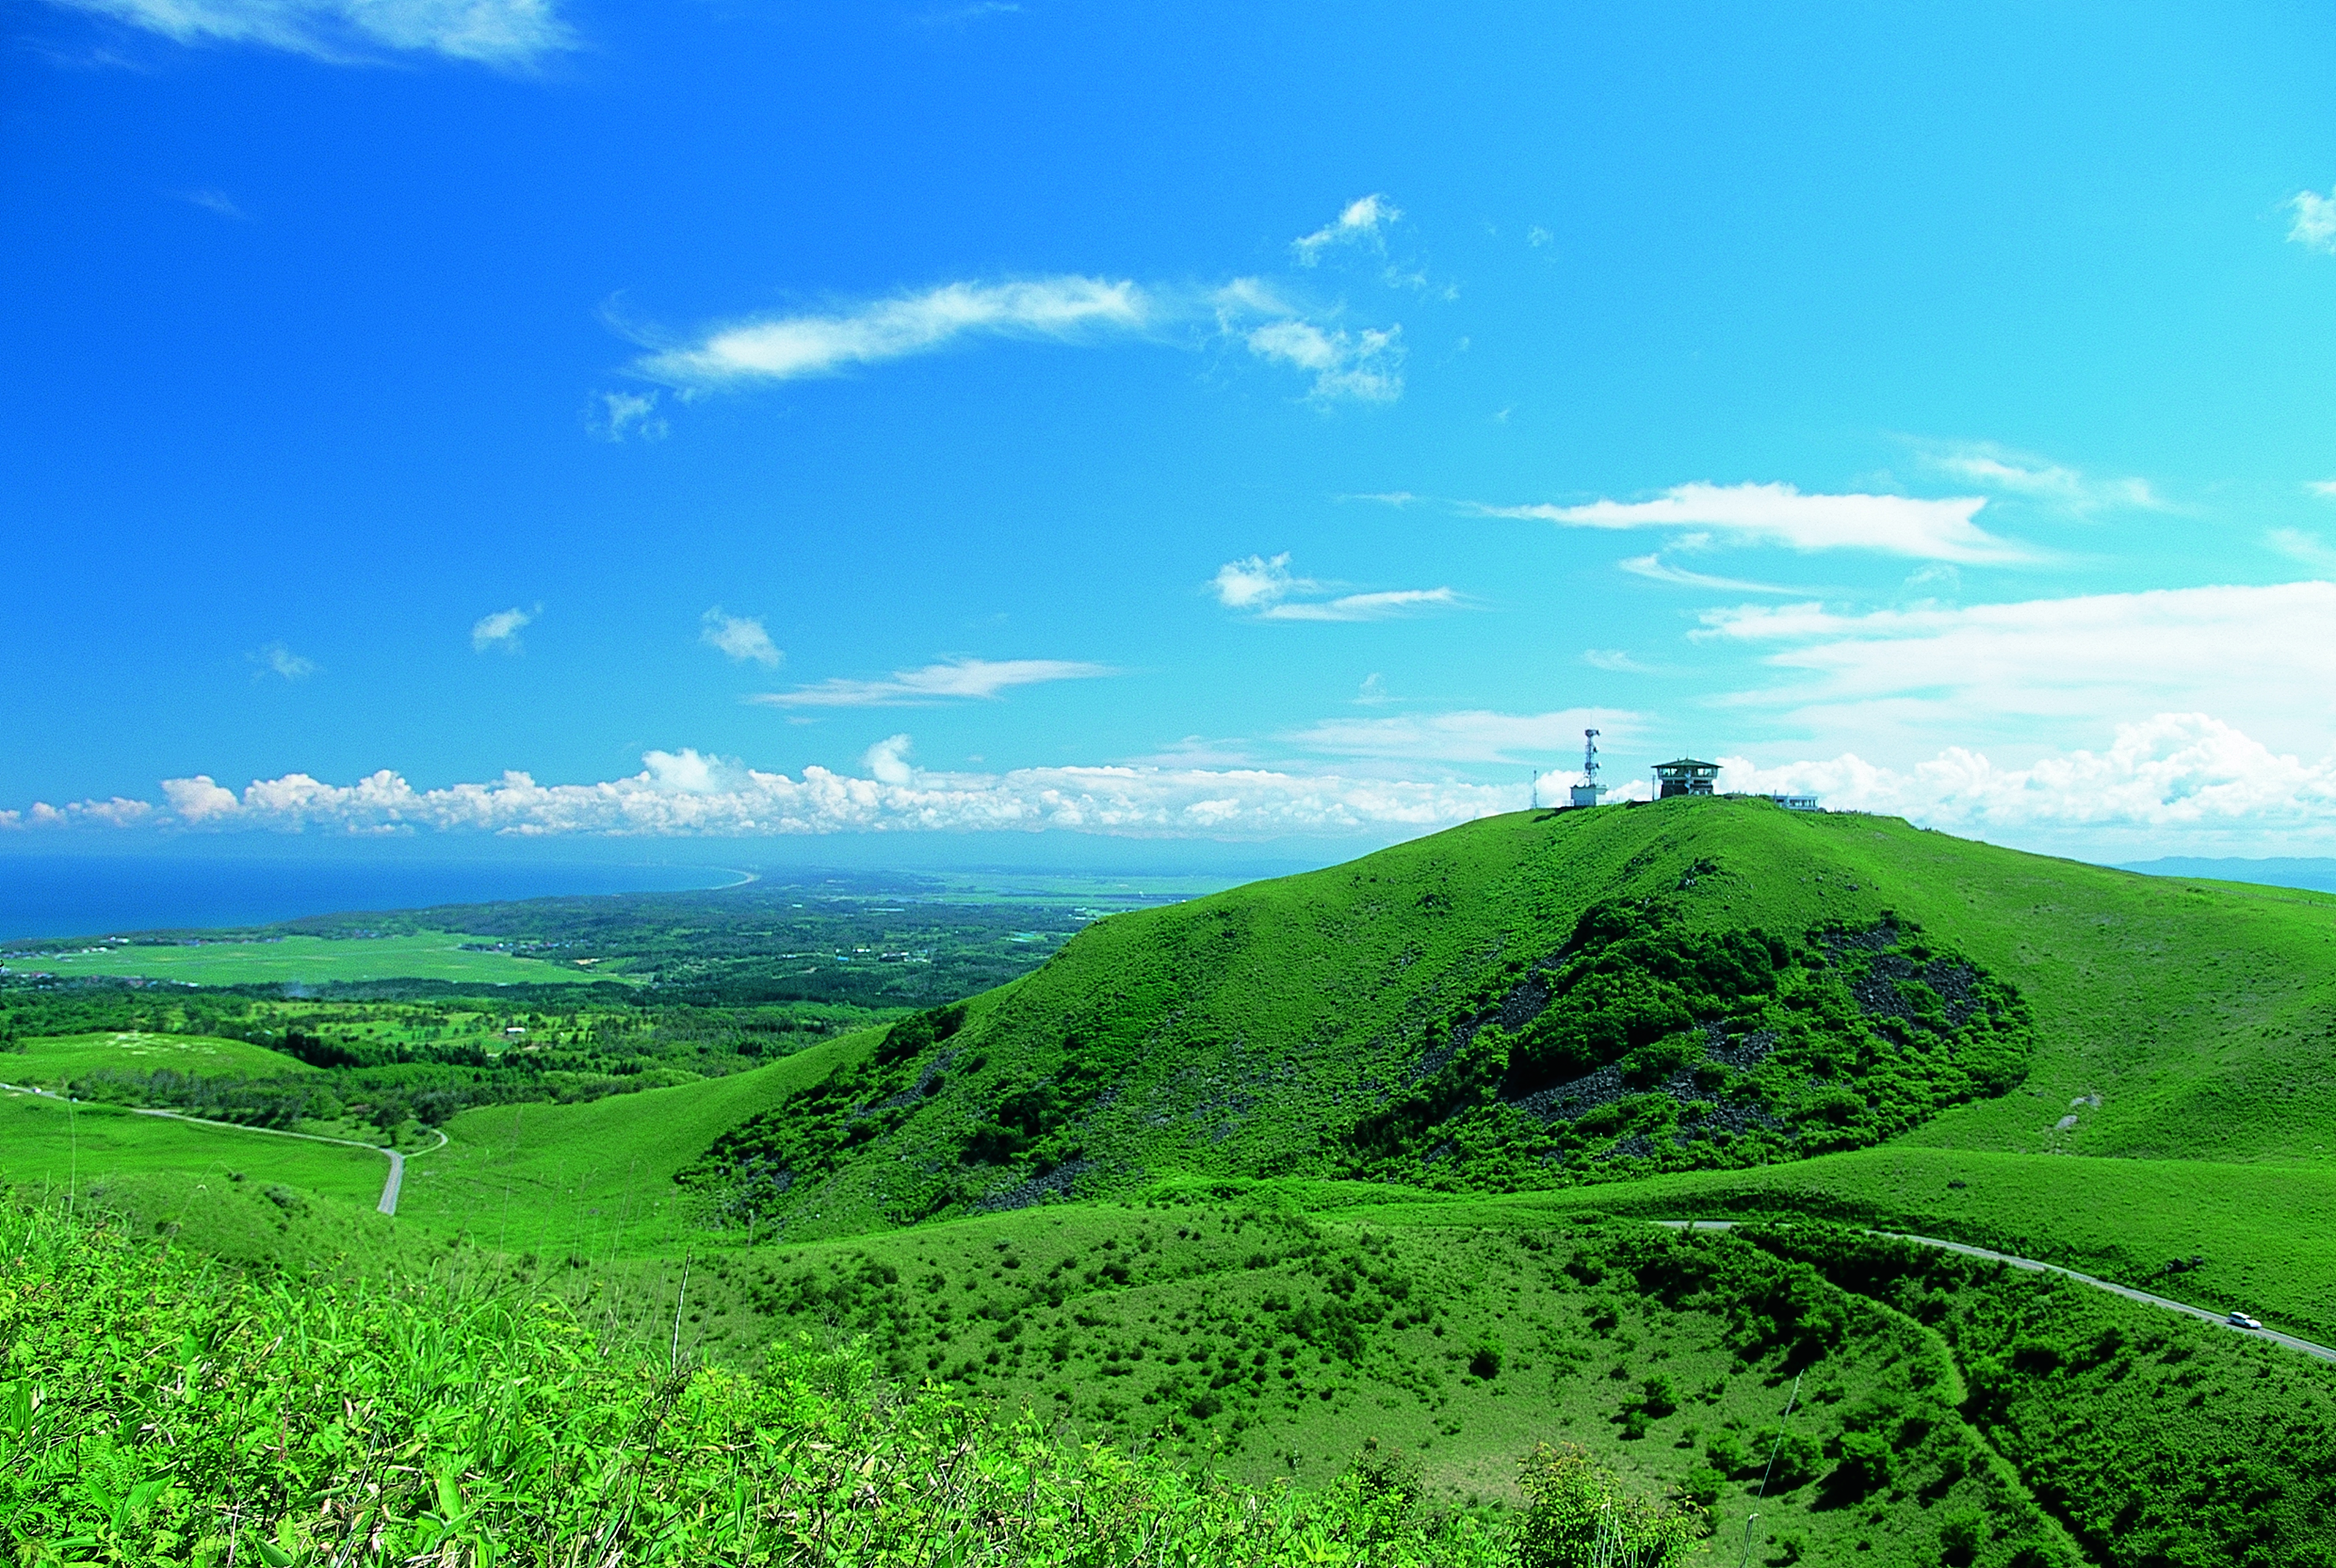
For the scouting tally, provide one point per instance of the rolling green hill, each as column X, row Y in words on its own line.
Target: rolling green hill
column 1468, row 1010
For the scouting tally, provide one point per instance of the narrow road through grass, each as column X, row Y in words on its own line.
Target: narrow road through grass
column 389, row 1189
column 2309, row 1347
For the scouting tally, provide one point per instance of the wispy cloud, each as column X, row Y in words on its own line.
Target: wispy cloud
column 501, row 629
column 739, row 637
column 2029, row 667
column 2315, row 220
column 2308, row 547
column 2325, row 489
column 1653, row 568
column 958, row 16
column 616, row 416
column 1782, row 514
column 1613, row 659
column 2035, row 478
column 275, row 659
column 1264, row 587
column 789, row 347
column 1474, row 736
column 1362, row 221
column 1365, row 364
column 217, row 201
column 505, row 33
column 952, row 680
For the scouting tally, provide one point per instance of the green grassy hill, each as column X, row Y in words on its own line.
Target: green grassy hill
column 56, row 1058
column 1382, row 1016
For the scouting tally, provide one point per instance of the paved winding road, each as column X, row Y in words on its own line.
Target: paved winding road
column 2324, row 1352
column 388, row 1204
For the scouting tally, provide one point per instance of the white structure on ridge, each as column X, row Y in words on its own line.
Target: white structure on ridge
column 1587, row 792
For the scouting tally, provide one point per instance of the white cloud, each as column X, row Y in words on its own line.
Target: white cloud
column 686, row 793
column 887, row 761
column 1780, row 515
column 739, row 637
column 217, row 201
column 1257, row 581
column 276, row 658
column 507, row 33
column 2308, row 547
column 1614, row 660
column 2315, row 219
column 1365, row 364
column 501, row 628
column 1653, row 568
column 2325, row 489
column 1471, row 736
column 2262, row 657
column 1263, row 586
column 199, row 799
column 2177, row 771
column 1359, row 222
column 789, row 347
column 1538, row 237
column 956, row 679
column 1383, row 606
column 2023, row 474
column 613, row 416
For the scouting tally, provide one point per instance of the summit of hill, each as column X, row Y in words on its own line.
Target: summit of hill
column 1553, row 999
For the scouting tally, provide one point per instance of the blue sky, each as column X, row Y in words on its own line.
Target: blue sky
column 461, row 417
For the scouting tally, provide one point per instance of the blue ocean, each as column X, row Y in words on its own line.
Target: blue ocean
column 85, row 895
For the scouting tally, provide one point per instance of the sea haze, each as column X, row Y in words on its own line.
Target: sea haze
column 84, row 895
column 2319, row 875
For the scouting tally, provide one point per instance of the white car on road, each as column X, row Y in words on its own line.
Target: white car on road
column 2240, row 1320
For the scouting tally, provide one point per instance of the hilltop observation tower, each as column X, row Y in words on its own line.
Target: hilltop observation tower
column 1587, row 792
column 1686, row 776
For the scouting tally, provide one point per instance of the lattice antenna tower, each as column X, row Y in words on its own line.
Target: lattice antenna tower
column 1590, row 757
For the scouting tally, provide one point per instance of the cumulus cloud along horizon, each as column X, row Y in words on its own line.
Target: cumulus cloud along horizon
column 509, row 33
column 949, row 680
column 1265, row 588
column 2173, row 783
column 1782, row 514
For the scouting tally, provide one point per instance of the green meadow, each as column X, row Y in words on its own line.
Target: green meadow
column 307, row 961
column 53, row 1059
column 50, row 1147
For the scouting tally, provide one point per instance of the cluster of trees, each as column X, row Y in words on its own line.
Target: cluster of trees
column 1726, row 1048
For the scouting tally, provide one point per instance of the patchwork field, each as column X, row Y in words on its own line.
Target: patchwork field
column 308, row 960
column 53, row 1059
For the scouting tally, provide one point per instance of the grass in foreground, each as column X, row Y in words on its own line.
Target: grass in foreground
column 159, row 1410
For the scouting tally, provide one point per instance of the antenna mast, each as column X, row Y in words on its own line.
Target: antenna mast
column 1587, row 792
